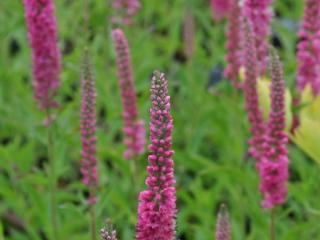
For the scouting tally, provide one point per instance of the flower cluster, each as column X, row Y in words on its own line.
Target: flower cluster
column 125, row 10
column 234, row 44
column 259, row 14
column 133, row 127
column 309, row 48
column 223, row 225
column 220, row 8
column 255, row 116
column 42, row 34
column 88, row 129
column 157, row 205
column 273, row 166
column 108, row 234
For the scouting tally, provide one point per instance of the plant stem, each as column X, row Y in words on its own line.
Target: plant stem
column 52, row 178
column 93, row 222
column 272, row 224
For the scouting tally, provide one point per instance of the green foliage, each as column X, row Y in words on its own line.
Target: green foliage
column 210, row 132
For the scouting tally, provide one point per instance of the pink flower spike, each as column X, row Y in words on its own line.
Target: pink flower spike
column 223, row 231
column 157, row 205
column 259, row 15
column 133, row 127
column 88, row 129
column 234, row 44
column 273, row 166
column 42, row 34
column 254, row 113
column 308, row 55
column 220, row 9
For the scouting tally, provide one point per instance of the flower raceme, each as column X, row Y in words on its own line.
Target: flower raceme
column 259, row 15
column 223, row 231
column 88, row 129
column 309, row 48
column 273, row 166
column 157, row 205
column 133, row 127
column 42, row 34
column 254, row 113
column 234, row 42
column 108, row 233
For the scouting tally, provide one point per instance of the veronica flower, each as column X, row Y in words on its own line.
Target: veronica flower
column 42, row 34
column 259, row 14
column 254, row 112
column 223, row 231
column 220, row 8
column 133, row 127
column 234, row 44
column 273, row 166
column 125, row 10
column 157, row 205
column 88, row 129
column 309, row 48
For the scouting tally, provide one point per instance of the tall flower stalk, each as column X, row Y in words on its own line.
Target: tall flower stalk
column 133, row 127
column 223, row 231
column 88, row 139
column 157, row 205
column 309, row 48
column 274, row 164
column 234, row 44
column 254, row 113
column 42, row 35
column 259, row 14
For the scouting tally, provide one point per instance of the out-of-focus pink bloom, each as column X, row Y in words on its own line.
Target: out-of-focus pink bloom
column 234, row 44
column 220, row 9
column 125, row 10
column 273, row 166
column 157, row 205
column 258, row 127
column 223, row 231
column 309, row 48
column 133, row 127
column 259, row 14
column 88, row 129
column 42, row 34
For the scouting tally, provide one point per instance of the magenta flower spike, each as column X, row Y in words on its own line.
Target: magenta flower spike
column 223, row 231
column 220, row 9
column 133, row 127
column 273, row 166
column 259, row 14
column 234, row 44
column 42, row 34
column 254, row 113
column 125, row 10
column 157, row 205
column 88, row 129
column 309, row 48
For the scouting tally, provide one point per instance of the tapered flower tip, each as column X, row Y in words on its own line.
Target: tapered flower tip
column 223, row 224
column 108, row 233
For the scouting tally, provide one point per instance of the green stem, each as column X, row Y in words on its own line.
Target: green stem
column 93, row 222
column 272, row 224
column 52, row 178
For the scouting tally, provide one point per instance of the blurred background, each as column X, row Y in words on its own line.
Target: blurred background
column 210, row 126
